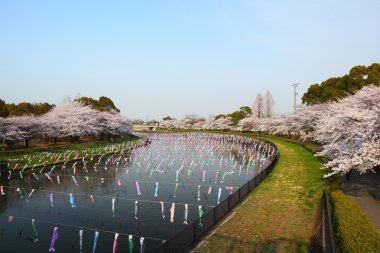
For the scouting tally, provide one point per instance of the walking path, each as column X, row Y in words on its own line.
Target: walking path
column 279, row 215
column 364, row 190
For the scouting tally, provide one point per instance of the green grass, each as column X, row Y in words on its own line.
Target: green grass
column 279, row 215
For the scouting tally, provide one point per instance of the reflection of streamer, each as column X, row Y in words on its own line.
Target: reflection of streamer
column 113, row 207
column 53, row 239
column 92, row 199
column 35, row 230
column 95, row 241
column 199, row 193
column 175, row 190
column 80, row 240
column 136, row 208
column 20, row 193
column 30, row 194
column 219, row 193
column 162, row 209
column 156, row 190
column 51, row 200
column 186, row 213
column 2, row 190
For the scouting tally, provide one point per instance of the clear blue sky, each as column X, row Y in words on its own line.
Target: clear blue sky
column 161, row 57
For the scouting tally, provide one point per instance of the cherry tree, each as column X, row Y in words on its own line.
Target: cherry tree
column 75, row 120
column 168, row 124
column 246, row 124
column 112, row 123
column 10, row 133
column 350, row 132
column 70, row 120
column 218, row 124
column 30, row 126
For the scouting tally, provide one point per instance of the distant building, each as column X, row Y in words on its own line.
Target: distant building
column 145, row 127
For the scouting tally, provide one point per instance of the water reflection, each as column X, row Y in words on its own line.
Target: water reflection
column 179, row 164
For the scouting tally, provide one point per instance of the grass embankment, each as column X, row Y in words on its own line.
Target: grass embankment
column 279, row 215
column 45, row 155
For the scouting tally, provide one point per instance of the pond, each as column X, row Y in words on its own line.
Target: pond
column 151, row 192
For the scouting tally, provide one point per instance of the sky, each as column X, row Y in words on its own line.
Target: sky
column 176, row 57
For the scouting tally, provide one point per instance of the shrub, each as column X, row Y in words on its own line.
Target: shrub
column 353, row 230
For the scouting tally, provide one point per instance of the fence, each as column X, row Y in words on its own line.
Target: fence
column 323, row 239
column 185, row 239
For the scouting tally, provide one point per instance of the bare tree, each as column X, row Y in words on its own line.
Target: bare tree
column 67, row 99
column 193, row 118
column 258, row 107
column 268, row 105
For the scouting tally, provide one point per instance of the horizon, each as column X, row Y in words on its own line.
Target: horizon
column 172, row 58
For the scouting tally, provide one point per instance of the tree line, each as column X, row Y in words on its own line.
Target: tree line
column 37, row 109
column 336, row 88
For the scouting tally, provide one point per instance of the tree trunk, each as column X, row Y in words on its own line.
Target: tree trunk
column 26, row 142
column 55, row 140
column 71, row 138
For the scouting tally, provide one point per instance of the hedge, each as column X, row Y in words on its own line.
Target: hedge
column 354, row 232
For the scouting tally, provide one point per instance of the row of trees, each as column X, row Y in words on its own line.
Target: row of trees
column 24, row 108
column 72, row 120
column 339, row 87
column 37, row 109
column 349, row 128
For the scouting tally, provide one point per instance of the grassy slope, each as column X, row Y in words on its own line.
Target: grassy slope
column 79, row 148
column 279, row 215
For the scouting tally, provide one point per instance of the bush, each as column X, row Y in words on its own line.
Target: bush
column 353, row 230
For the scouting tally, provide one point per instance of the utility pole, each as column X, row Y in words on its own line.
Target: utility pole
column 295, row 94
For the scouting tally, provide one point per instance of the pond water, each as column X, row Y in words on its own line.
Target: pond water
column 188, row 169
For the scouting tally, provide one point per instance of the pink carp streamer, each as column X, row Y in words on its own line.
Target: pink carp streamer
column 115, row 243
